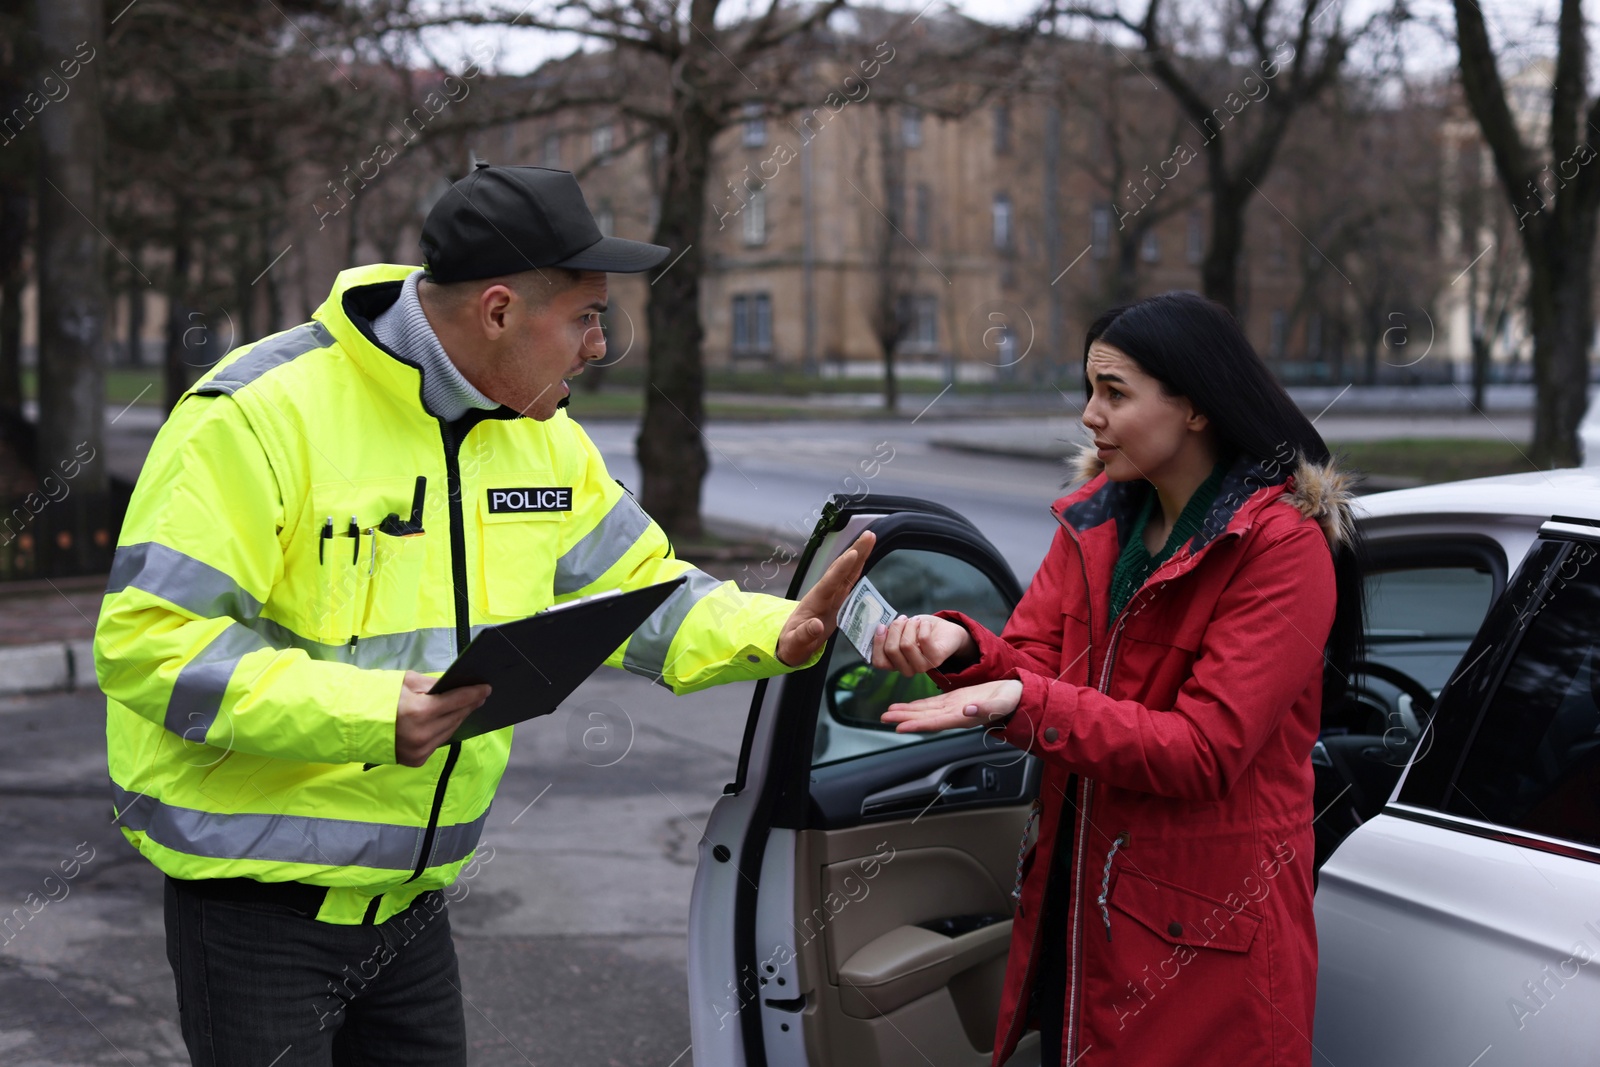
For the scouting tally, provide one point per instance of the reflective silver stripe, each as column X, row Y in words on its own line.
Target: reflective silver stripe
column 196, row 587
column 600, row 549
column 264, row 356
column 431, row 648
column 197, row 695
column 647, row 649
column 209, row 593
column 292, row 838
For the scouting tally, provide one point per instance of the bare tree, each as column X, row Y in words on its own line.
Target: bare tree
column 1129, row 150
column 73, row 309
column 1240, row 91
column 681, row 71
column 1555, row 194
column 895, row 275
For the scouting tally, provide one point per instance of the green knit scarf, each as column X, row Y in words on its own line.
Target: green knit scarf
column 1136, row 564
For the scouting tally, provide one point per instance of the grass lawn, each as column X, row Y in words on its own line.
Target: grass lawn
column 1426, row 460
column 123, row 384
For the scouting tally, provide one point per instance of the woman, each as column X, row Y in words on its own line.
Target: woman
column 1167, row 666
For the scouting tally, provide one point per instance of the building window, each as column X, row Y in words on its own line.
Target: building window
column 1279, row 340
column 1100, row 230
column 920, row 318
column 911, row 127
column 755, row 125
column 1276, row 254
column 1002, row 129
column 1197, row 238
column 604, row 219
column 755, row 217
column 1002, row 221
column 658, row 146
column 752, row 323
column 1150, row 247
column 1314, row 335
column 602, row 139
column 552, row 151
column 923, row 220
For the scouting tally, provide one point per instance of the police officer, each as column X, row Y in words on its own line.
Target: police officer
column 322, row 523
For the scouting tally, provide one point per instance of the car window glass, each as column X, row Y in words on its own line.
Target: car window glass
column 1427, row 604
column 1421, row 619
column 855, row 694
column 1535, row 762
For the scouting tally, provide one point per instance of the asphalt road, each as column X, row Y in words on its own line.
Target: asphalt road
column 778, row 475
column 572, row 935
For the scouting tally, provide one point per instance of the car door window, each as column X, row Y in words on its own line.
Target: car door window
column 1421, row 618
column 1534, row 762
column 856, row 694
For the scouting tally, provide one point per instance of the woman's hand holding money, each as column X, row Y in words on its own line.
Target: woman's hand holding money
column 920, row 644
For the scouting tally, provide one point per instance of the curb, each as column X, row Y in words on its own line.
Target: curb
column 47, row 668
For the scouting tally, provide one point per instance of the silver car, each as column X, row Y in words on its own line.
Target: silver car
column 1460, row 921
column 852, row 905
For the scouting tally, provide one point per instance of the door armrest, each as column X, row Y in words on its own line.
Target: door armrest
column 909, row 962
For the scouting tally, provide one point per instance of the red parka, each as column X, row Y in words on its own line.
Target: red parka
column 1176, row 743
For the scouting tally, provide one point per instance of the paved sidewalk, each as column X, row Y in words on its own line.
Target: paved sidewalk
column 46, row 630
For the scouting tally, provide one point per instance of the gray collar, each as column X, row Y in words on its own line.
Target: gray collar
column 404, row 329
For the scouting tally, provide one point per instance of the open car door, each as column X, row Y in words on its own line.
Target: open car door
column 853, row 901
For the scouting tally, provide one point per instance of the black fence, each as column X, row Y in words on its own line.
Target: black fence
column 62, row 537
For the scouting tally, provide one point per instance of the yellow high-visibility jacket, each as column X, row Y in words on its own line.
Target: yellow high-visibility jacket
column 252, row 664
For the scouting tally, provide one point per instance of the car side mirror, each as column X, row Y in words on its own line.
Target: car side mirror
column 857, row 695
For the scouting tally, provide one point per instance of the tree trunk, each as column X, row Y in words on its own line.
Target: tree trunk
column 1480, row 370
column 73, row 307
column 671, row 446
column 1561, row 307
column 1124, row 287
column 177, row 375
column 1219, row 271
column 14, row 210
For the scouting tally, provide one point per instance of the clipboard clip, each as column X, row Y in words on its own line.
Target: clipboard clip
column 394, row 526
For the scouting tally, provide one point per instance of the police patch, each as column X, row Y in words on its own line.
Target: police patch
column 504, row 501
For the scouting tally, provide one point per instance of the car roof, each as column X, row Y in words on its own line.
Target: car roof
column 1574, row 491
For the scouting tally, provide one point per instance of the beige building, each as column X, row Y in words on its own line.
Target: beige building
column 1012, row 229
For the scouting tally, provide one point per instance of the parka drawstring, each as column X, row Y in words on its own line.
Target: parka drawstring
column 1121, row 841
column 1022, row 847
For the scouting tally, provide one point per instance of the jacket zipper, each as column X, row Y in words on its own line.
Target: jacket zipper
column 458, row 576
column 1071, row 1054
column 1038, row 925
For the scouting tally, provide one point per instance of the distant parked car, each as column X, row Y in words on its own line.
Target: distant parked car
column 1589, row 432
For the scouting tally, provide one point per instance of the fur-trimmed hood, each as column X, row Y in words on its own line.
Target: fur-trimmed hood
column 1321, row 491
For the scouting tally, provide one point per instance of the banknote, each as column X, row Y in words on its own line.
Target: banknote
column 864, row 610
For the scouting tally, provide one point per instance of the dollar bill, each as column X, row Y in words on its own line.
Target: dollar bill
column 864, row 610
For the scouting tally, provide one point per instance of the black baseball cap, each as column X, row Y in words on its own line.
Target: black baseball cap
column 505, row 220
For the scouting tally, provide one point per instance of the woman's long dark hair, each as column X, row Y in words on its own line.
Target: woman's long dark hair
column 1195, row 349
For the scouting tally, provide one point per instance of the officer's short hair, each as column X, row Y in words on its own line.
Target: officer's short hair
column 536, row 286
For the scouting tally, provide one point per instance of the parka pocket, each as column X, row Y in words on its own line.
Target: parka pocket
column 519, row 552
column 1181, row 916
column 395, row 566
column 347, row 561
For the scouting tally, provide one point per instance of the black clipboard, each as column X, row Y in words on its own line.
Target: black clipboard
column 535, row 663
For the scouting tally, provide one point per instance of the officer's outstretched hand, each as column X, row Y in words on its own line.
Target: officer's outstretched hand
column 424, row 721
column 817, row 614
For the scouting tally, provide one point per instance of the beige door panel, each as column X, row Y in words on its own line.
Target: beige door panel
column 910, row 962
column 875, row 980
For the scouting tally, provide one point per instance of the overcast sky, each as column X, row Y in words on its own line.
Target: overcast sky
column 1521, row 29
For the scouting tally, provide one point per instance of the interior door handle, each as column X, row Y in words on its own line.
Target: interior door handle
column 935, row 787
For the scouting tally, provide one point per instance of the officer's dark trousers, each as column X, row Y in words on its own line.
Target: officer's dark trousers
column 265, row 985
